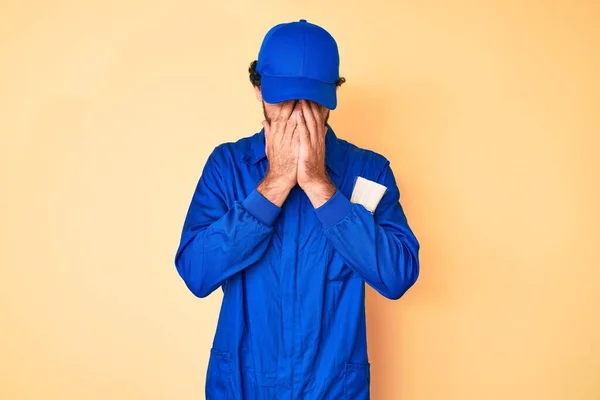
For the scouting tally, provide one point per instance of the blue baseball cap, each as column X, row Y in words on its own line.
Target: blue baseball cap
column 299, row 61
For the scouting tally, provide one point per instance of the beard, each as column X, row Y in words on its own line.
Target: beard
column 269, row 119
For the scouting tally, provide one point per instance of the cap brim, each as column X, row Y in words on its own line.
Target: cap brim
column 276, row 89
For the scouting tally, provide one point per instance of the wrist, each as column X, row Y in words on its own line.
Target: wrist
column 321, row 184
column 278, row 181
column 274, row 189
column 319, row 191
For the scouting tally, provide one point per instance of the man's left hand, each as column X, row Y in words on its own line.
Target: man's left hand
column 312, row 174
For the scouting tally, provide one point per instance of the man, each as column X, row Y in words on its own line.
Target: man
column 272, row 223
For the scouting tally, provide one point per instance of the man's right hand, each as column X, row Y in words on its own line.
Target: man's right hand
column 281, row 147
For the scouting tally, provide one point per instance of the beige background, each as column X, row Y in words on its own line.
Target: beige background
column 487, row 109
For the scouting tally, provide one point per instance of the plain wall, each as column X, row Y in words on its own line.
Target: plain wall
column 488, row 111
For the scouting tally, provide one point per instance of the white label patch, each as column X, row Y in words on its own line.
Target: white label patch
column 367, row 193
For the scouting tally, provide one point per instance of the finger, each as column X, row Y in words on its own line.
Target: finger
column 308, row 115
column 311, row 121
column 295, row 140
column 285, row 111
column 317, row 112
column 311, row 124
column 291, row 125
column 302, row 129
column 276, row 112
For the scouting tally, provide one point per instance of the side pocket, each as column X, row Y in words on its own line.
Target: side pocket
column 357, row 379
column 217, row 376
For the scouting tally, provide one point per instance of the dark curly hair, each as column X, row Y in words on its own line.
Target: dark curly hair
column 255, row 76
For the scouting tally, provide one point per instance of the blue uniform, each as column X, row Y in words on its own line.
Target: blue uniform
column 292, row 321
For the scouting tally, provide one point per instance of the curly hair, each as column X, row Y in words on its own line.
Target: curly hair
column 255, row 76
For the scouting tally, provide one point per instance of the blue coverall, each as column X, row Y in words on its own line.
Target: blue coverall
column 292, row 320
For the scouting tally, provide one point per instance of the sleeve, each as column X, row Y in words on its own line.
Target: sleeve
column 219, row 241
column 387, row 258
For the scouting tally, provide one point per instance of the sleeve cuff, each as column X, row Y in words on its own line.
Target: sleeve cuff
column 261, row 208
column 334, row 210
